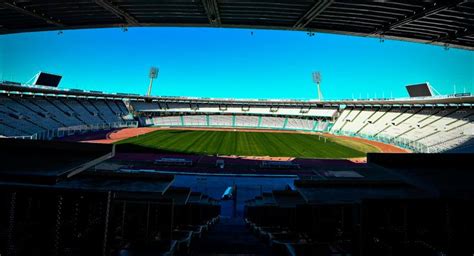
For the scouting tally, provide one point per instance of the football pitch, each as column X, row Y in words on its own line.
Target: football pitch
column 243, row 143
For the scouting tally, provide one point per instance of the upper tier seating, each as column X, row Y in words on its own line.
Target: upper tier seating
column 204, row 108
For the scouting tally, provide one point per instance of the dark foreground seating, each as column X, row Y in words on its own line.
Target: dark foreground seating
column 102, row 214
column 294, row 223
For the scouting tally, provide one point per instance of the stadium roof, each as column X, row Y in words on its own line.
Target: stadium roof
column 461, row 99
column 449, row 23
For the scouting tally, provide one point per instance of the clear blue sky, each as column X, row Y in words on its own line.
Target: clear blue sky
column 233, row 63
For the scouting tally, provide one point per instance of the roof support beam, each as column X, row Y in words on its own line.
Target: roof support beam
column 436, row 8
column 467, row 31
column 212, row 11
column 32, row 13
column 118, row 12
column 312, row 13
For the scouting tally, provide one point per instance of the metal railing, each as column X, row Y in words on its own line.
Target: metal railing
column 324, row 125
column 28, row 137
column 414, row 146
column 78, row 129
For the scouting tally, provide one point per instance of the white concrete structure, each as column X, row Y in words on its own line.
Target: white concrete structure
column 421, row 129
column 422, row 124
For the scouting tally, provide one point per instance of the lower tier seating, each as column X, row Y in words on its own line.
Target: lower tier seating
column 26, row 116
column 422, row 129
column 239, row 121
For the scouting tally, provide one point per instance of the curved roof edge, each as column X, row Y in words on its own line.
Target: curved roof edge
column 446, row 23
column 8, row 88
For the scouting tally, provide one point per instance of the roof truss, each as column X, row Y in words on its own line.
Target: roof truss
column 129, row 19
column 438, row 22
column 436, row 8
column 212, row 11
column 312, row 13
column 32, row 13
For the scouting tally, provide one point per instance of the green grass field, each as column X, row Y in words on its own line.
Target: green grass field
column 250, row 144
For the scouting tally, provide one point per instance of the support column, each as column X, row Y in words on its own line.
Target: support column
column 11, row 248
column 147, row 229
column 448, row 226
column 285, row 123
column 106, row 223
column 315, row 125
column 172, row 219
column 57, row 230
column 363, row 234
column 124, row 215
column 76, row 214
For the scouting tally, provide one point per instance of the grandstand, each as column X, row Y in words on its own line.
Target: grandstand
column 68, row 198
column 434, row 124
column 426, row 129
column 135, row 201
column 48, row 117
column 86, row 202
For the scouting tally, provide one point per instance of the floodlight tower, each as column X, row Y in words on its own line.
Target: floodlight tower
column 317, row 81
column 153, row 75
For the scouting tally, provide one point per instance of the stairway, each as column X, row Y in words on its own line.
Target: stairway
column 230, row 237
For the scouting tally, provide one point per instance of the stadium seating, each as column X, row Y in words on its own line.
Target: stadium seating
column 198, row 120
column 105, row 112
column 145, row 106
column 57, row 113
column 423, row 129
column 141, row 106
column 220, row 120
column 27, row 116
column 272, row 122
column 300, row 124
column 293, row 224
column 233, row 121
column 246, row 121
column 153, row 225
column 167, row 121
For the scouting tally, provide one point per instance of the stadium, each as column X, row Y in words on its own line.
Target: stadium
column 88, row 172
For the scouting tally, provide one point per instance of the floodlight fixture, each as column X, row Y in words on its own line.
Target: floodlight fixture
column 317, row 81
column 153, row 74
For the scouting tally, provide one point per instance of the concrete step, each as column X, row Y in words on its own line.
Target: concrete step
column 229, row 237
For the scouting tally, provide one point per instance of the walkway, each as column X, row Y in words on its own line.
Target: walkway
column 230, row 236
